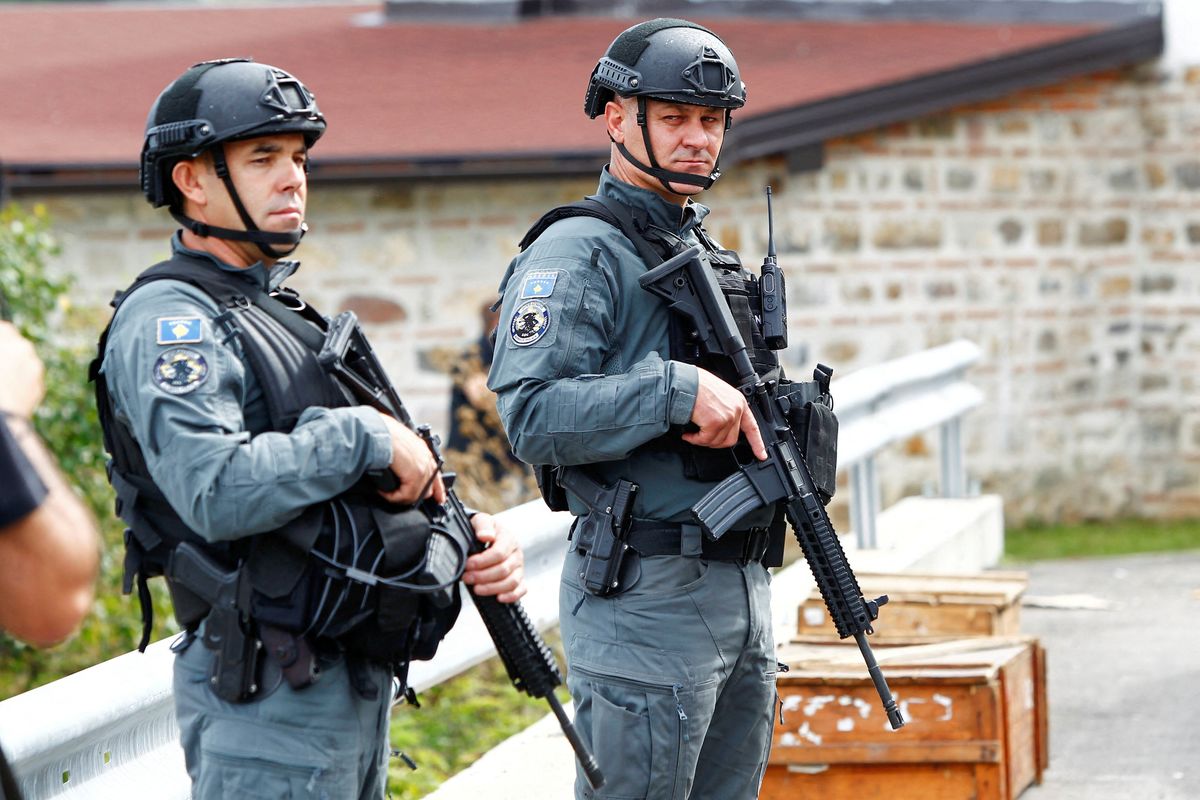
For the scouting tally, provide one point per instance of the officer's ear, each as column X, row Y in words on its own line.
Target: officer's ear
column 186, row 175
column 616, row 114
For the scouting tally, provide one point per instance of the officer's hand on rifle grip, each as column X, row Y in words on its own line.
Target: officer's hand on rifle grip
column 721, row 413
column 413, row 465
column 500, row 569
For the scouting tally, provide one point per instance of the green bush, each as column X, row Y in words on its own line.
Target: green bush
column 37, row 304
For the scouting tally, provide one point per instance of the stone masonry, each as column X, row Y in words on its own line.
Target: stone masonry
column 1058, row 228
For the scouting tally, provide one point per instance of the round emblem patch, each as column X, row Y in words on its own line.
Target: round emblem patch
column 180, row 370
column 530, row 322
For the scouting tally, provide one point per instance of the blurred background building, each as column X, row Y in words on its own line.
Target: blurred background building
column 1021, row 173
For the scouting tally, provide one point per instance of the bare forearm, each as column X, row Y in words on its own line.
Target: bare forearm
column 49, row 558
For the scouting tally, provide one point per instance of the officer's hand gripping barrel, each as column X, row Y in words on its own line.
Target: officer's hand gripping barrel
column 530, row 664
column 690, row 289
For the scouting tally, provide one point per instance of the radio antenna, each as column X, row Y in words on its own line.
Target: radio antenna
column 770, row 228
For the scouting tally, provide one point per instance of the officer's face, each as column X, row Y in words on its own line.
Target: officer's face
column 686, row 138
column 268, row 173
column 270, row 178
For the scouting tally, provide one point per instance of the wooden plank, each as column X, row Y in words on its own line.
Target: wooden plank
column 1043, row 712
column 1020, row 723
column 992, row 650
column 885, row 782
column 932, row 606
column 984, row 751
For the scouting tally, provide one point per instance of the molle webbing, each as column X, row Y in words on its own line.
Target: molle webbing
column 700, row 463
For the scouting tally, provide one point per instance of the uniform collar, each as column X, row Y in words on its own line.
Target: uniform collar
column 257, row 273
column 659, row 212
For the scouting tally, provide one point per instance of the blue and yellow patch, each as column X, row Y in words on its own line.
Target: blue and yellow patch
column 180, row 370
column 539, row 283
column 529, row 323
column 180, row 330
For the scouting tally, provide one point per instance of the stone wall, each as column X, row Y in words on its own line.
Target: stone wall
column 1057, row 228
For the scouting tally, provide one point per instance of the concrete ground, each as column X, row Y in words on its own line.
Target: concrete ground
column 1124, row 679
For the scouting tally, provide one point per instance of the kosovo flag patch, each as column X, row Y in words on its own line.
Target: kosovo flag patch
column 179, row 330
column 539, row 283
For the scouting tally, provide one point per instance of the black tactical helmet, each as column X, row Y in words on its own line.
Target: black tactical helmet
column 216, row 102
column 667, row 59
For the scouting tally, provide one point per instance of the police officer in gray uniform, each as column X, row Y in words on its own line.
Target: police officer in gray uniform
column 251, row 479
column 670, row 653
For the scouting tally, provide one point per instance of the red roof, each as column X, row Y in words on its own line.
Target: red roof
column 76, row 81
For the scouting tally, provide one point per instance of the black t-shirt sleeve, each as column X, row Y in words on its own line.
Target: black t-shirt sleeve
column 21, row 490
column 8, row 781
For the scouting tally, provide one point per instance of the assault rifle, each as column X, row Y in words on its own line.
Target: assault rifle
column 690, row 289
column 531, row 666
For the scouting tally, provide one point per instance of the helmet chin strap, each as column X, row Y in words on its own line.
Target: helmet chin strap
column 263, row 240
column 665, row 176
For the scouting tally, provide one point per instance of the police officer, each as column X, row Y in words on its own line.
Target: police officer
column 49, row 545
column 671, row 660
column 242, row 468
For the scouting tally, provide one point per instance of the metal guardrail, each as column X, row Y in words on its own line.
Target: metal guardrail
column 888, row 403
column 110, row 731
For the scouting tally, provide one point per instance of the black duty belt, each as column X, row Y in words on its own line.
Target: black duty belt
column 652, row 538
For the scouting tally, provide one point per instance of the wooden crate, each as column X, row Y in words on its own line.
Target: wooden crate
column 976, row 722
column 928, row 608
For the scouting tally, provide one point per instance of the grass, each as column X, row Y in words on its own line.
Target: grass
column 459, row 720
column 1118, row 537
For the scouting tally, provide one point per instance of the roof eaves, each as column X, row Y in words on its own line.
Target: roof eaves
column 29, row 177
column 788, row 131
column 811, row 124
column 467, row 166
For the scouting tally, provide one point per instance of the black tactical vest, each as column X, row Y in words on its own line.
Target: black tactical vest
column 294, row 586
column 741, row 292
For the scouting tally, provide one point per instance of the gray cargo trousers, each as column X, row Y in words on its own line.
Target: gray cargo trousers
column 673, row 680
column 325, row 741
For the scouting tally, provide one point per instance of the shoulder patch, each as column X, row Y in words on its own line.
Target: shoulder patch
column 539, row 283
column 180, row 370
column 180, row 330
column 529, row 323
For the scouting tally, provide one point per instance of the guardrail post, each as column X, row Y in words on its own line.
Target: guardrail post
column 864, row 502
column 953, row 459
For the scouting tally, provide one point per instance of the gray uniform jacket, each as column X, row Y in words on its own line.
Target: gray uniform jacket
column 204, row 437
column 582, row 367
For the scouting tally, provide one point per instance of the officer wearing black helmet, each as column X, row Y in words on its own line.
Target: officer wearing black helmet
column 248, row 477
column 667, row 632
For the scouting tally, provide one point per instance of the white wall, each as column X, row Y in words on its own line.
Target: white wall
column 1183, row 33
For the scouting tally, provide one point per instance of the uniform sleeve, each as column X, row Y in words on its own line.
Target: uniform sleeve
column 559, row 397
column 183, row 401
